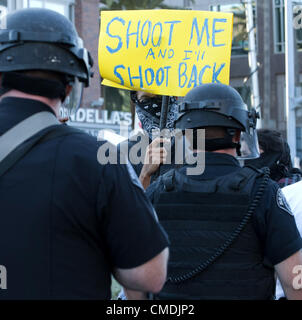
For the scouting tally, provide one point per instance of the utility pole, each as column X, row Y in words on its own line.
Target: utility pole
column 290, row 77
column 253, row 58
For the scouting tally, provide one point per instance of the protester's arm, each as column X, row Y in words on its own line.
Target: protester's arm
column 148, row 277
column 289, row 274
column 155, row 155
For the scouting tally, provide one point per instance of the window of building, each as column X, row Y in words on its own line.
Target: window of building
column 3, row 3
column 3, row 12
column 64, row 7
column 3, row 7
column 279, row 26
column 240, row 43
column 9, row 5
column 245, row 92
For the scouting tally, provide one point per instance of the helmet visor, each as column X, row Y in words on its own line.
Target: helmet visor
column 73, row 101
column 249, row 147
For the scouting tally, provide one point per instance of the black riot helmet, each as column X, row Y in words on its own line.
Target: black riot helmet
column 219, row 105
column 43, row 40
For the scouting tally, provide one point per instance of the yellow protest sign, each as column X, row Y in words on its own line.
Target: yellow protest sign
column 165, row 52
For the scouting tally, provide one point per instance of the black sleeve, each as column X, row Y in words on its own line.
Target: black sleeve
column 131, row 231
column 276, row 226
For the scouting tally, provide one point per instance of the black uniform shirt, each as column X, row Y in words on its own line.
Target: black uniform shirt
column 273, row 220
column 66, row 221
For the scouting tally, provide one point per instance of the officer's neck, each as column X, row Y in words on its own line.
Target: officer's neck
column 230, row 151
column 54, row 104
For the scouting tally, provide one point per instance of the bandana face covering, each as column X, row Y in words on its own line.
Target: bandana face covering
column 151, row 105
column 148, row 112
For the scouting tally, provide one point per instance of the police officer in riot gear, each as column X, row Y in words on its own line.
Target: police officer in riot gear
column 65, row 218
column 60, row 52
column 230, row 227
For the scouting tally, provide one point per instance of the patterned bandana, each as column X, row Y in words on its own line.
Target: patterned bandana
column 149, row 115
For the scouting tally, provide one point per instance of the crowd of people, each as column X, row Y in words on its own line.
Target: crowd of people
column 69, row 223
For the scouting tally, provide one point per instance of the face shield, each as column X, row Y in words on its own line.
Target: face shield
column 73, row 101
column 249, row 147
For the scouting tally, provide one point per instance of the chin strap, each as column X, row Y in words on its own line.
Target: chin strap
column 51, row 89
column 223, row 143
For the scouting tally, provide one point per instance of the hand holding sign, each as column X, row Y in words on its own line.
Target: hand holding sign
column 165, row 52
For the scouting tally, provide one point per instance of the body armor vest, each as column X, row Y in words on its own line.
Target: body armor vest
column 215, row 252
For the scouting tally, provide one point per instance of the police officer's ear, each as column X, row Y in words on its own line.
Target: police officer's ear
column 68, row 89
column 236, row 137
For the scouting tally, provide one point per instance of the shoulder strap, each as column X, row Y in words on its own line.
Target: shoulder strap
column 243, row 179
column 240, row 180
column 24, row 130
column 48, row 133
